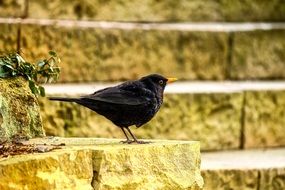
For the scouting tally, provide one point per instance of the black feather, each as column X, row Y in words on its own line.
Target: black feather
column 130, row 103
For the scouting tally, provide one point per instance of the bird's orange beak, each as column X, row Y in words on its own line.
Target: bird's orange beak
column 170, row 80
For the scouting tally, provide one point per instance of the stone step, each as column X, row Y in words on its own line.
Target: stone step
column 222, row 115
column 175, row 26
column 148, row 10
column 246, row 169
column 105, row 164
column 119, row 51
column 179, row 87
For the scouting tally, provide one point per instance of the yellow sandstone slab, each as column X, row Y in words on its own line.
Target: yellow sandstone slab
column 262, row 169
column 158, row 11
column 19, row 110
column 89, row 163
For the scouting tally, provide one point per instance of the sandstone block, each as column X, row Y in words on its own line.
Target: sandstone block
column 230, row 179
column 8, row 38
column 258, row 55
column 244, row 179
column 167, row 10
column 272, row 178
column 264, row 119
column 105, row 164
column 112, row 55
column 261, row 169
column 65, row 169
column 252, row 10
column 19, row 110
column 12, row 8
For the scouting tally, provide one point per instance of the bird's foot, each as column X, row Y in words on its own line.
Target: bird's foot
column 141, row 142
column 127, row 141
column 135, row 142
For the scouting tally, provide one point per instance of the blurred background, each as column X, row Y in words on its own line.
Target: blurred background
column 228, row 54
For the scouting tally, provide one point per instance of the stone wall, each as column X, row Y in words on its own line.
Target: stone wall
column 148, row 10
column 212, row 119
column 19, row 110
column 246, row 119
column 245, row 179
column 126, row 53
column 105, row 164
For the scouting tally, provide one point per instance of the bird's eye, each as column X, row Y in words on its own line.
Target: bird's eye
column 160, row 82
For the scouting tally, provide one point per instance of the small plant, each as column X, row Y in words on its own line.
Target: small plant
column 44, row 71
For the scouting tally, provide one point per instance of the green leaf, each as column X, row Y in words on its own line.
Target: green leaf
column 14, row 73
column 56, row 69
column 19, row 58
column 28, row 77
column 9, row 66
column 42, row 91
column 32, row 86
column 4, row 74
column 41, row 63
column 52, row 53
column 2, row 62
column 13, row 64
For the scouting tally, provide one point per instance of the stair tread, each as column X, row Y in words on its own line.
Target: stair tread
column 178, row 87
column 244, row 159
column 185, row 26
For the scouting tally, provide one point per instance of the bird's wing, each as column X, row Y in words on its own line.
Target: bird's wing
column 126, row 95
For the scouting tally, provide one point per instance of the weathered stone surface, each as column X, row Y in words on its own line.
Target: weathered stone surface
column 230, row 179
column 271, row 179
column 12, row 8
column 213, row 119
column 252, row 10
column 244, row 169
column 8, row 38
column 19, row 110
column 162, row 166
column 167, row 10
column 106, row 164
column 243, row 179
column 64, row 169
column 125, row 54
column 264, row 124
column 258, row 55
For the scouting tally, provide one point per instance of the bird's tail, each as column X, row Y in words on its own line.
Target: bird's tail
column 63, row 99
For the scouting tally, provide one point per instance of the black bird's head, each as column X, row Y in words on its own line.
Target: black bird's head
column 156, row 82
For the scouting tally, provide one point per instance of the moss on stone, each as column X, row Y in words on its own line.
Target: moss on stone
column 264, row 124
column 244, row 179
column 19, row 109
column 241, row 179
column 252, row 10
column 258, row 55
column 12, row 8
column 123, row 54
column 8, row 38
column 272, row 178
column 166, row 10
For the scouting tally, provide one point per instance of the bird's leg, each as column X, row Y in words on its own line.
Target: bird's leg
column 128, row 141
column 135, row 139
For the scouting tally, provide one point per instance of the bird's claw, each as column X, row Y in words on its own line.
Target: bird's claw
column 142, row 142
column 127, row 142
column 134, row 142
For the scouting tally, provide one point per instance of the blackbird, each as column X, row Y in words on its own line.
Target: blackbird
column 130, row 103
